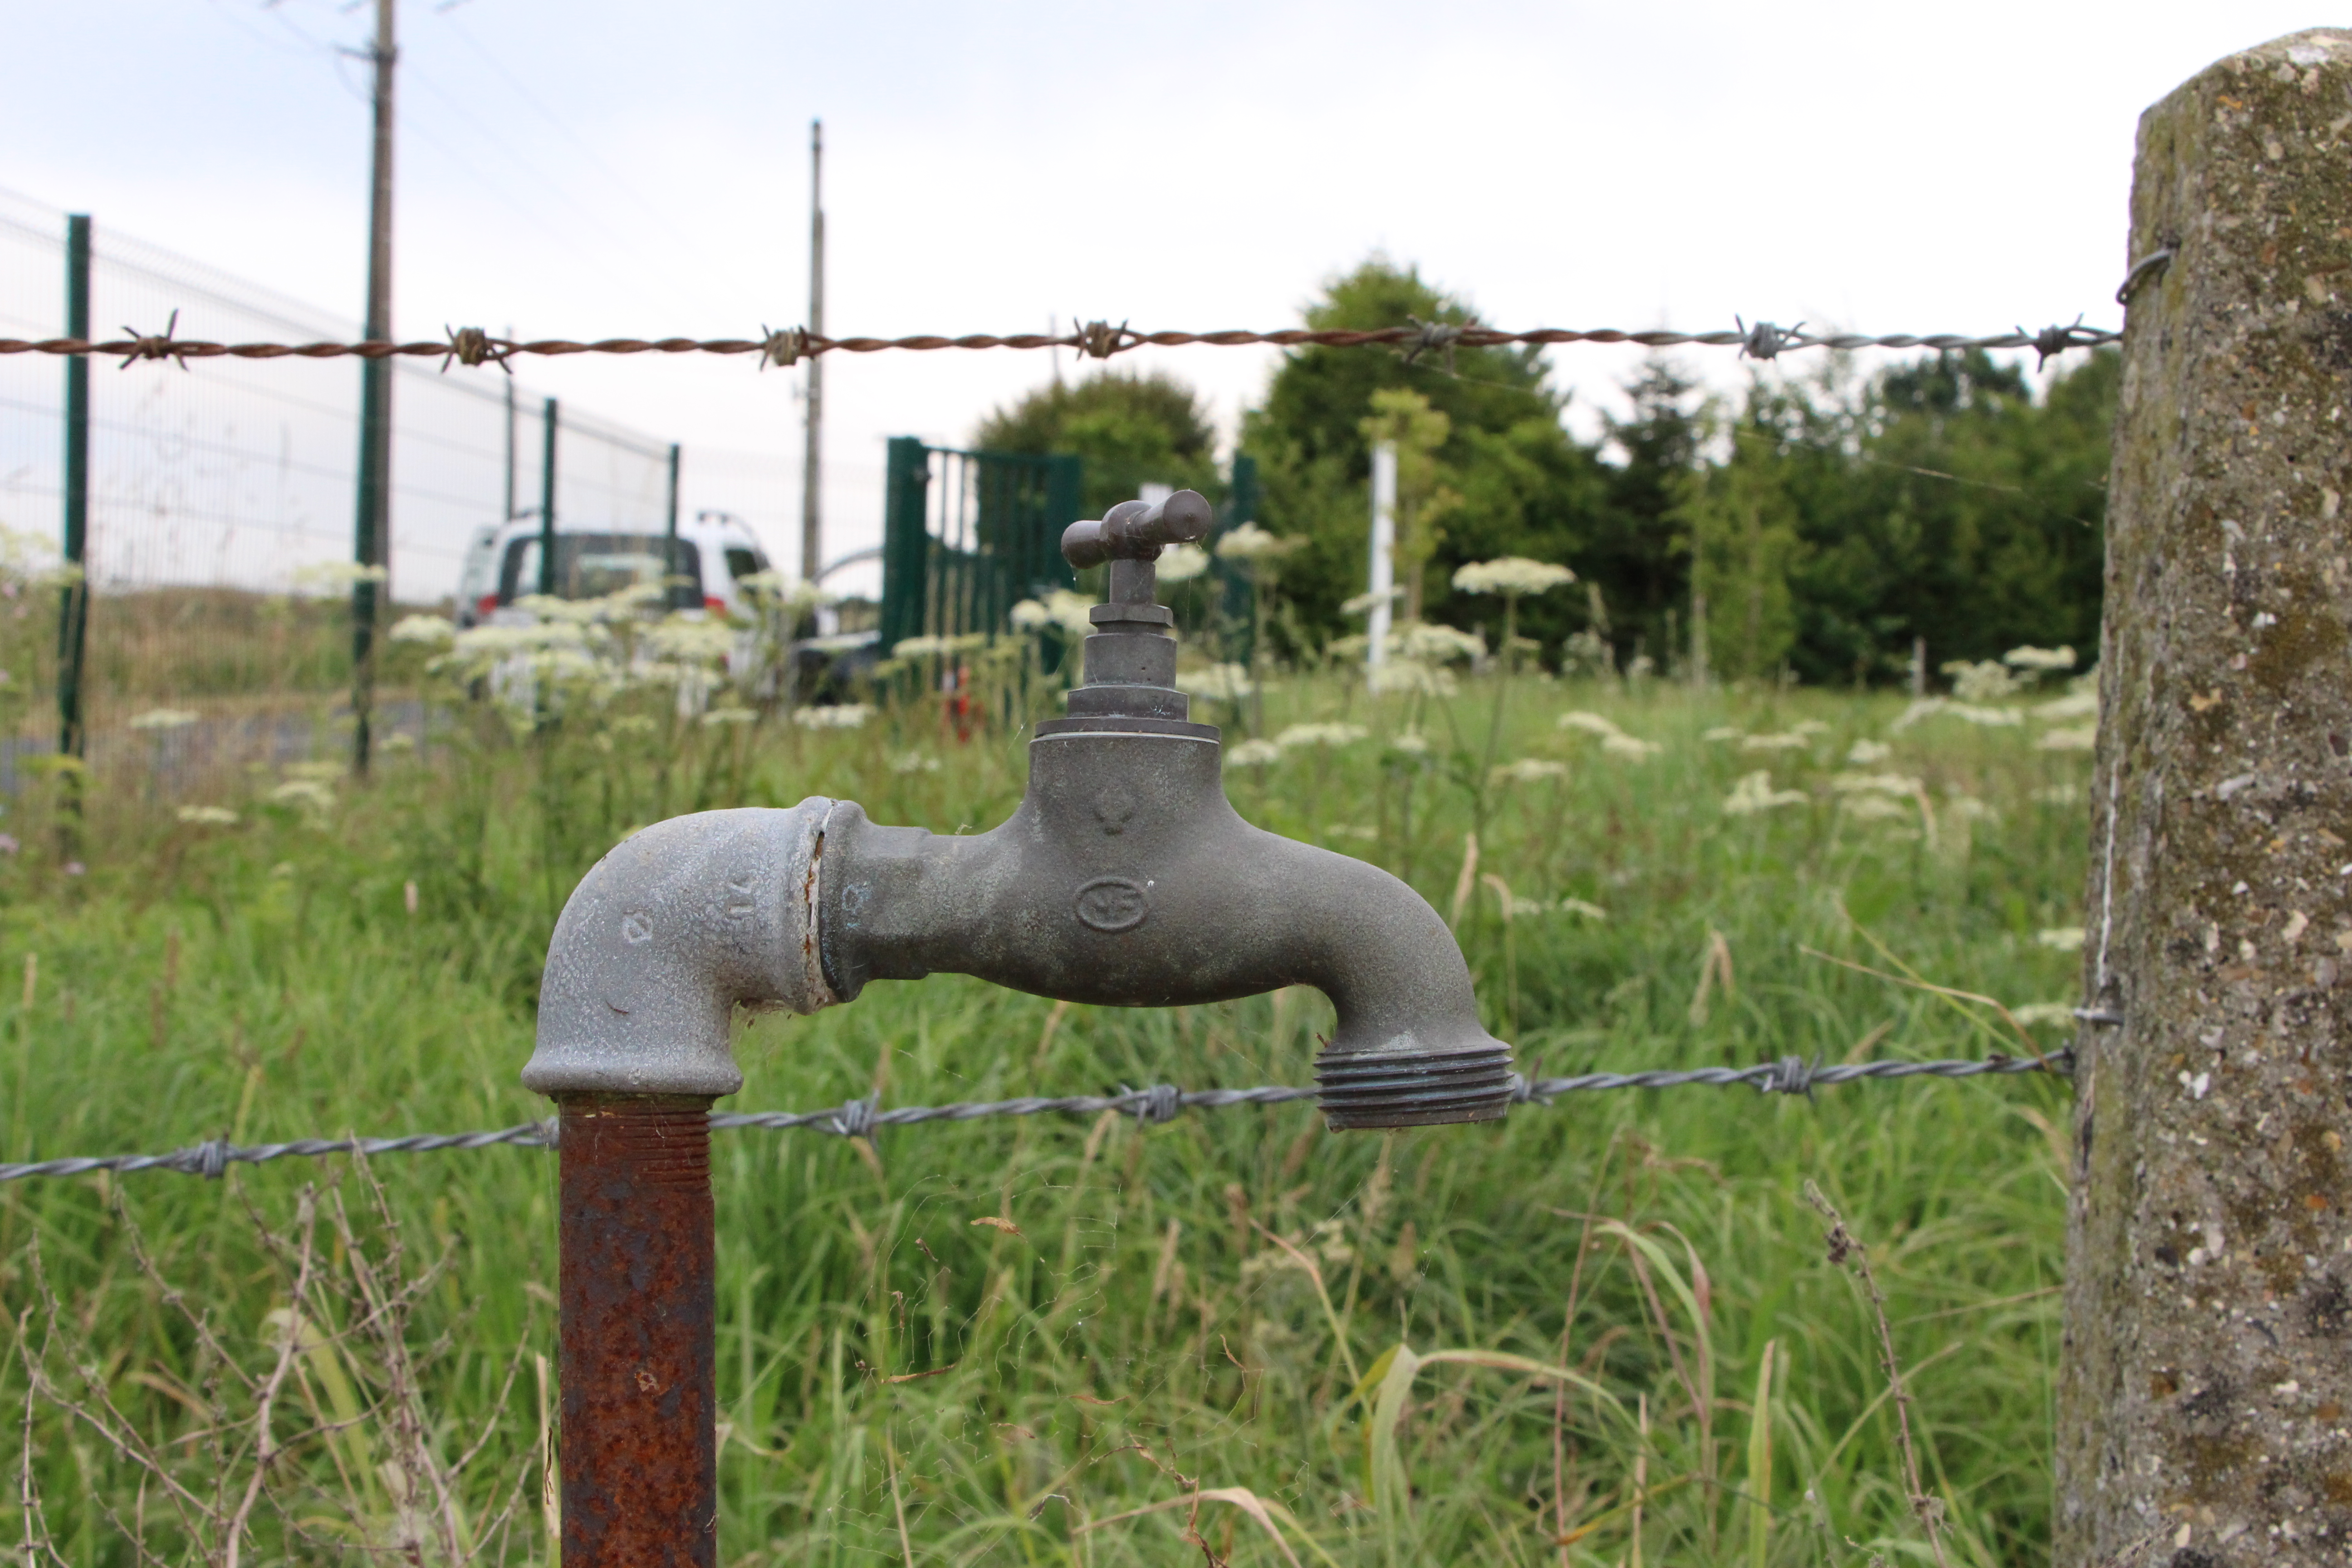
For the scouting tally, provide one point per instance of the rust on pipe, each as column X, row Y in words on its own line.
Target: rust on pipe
column 640, row 1457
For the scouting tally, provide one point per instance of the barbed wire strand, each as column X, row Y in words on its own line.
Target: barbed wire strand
column 473, row 346
column 1158, row 1103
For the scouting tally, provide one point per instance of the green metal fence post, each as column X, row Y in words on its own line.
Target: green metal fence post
column 670, row 573
column 1066, row 479
column 904, row 539
column 547, row 502
column 1238, row 604
column 73, row 601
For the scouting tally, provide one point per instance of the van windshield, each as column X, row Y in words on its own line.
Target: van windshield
column 591, row 565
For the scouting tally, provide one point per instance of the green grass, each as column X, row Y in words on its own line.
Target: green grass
column 1141, row 1336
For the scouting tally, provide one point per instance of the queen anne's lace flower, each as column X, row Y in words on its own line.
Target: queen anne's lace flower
column 1253, row 755
column 1251, row 542
column 1218, row 682
column 834, row 716
column 1319, row 735
column 1182, row 562
column 1529, row 770
column 2039, row 658
column 1754, row 792
column 1513, row 575
column 1435, row 643
column 422, row 629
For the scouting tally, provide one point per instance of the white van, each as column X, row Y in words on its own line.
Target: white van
column 705, row 565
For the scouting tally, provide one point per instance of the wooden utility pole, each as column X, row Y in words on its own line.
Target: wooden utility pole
column 812, row 464
column 2205, row 1403
column 372, row 536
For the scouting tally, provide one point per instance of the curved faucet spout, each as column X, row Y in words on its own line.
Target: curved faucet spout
column 1125, row 879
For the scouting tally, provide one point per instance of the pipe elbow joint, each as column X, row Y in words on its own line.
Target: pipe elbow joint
column 662, row 939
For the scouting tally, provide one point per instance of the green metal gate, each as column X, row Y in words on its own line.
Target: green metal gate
column 968, row 535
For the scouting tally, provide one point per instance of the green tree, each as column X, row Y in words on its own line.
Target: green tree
column 1634, row 554
column 1940, row 499
column 1742, row 531
column 1526, row 488
column 1131, row 429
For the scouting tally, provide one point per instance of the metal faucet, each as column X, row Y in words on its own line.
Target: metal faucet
column 1125, row 877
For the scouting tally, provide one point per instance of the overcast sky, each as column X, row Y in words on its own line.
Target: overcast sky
column 593, row 167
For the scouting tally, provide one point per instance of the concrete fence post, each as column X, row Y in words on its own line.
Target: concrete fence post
column 2205, row 1404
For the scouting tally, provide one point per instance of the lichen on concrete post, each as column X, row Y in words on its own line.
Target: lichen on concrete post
column 2206, row 1386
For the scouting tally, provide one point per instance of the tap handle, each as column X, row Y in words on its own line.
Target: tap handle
column 1134, row 532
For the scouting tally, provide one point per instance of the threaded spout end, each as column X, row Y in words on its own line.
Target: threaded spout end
column 1413, row 1088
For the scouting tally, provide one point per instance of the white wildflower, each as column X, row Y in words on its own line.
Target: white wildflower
column 2032, row 1014
column 921, row 647
column 1251, row 542
column 1217, row 682
column 691, row 641
column 422, row 628
column 1881, row 783
column 914, row 763
column 1319, row 735
column 1513, row 575
column 1410, row 742
column 1754, row 792
column 719, row 716
column 833, row 716
column 1529, row 770
column 312, row 792
column 165, row 718
column 1061, row 608
column 329, row 576
column 1790, row 741
column 1920, row 708
column 2066, row 939
column 2081, row 738
column 208, row 815
column 1434, row 643
column 1591, row 723
column 1632, row 747
column 1362, row 604
column 1411, row 675
column 1866, row 752
column 1988, row 680
column 2039, row 658
column 1182, row 562
column 1873, row 808
column 1724, row 732
column 2074, row 705
column 1252, row 754
column 2059, row 794
column 1991, row 718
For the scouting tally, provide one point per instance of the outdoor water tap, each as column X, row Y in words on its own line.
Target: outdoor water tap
column 1124, row 879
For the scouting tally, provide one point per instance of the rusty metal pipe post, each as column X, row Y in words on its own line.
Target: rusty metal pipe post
column 639, row 1361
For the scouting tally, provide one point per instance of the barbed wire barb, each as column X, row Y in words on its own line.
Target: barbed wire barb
column 471, row 346
column 154, row 345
